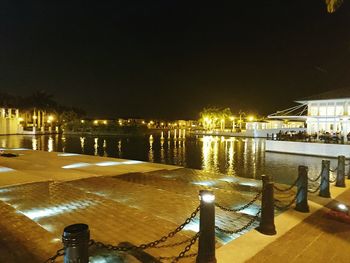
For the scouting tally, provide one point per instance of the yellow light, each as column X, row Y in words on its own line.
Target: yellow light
column 96, row 122
column 232, row 118
column 35, row 117
column 151, row 122
column 20, row 119
column 104, row 122
column 82, row 121
column 162, row 124
column 143, row 122
column 251, row 118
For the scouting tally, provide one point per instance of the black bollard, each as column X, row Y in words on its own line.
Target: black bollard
column 340, row 180
column 302, row 185
column 75, row 239
column 267, row 222
column 324, row 188
column 206, row 245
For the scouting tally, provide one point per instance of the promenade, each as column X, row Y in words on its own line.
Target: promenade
column 137, row 202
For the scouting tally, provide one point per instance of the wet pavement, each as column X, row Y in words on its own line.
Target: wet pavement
column 130, row 207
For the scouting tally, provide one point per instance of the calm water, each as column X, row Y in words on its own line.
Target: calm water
column 244, row 157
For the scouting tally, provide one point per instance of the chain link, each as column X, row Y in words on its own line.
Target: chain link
column 332, row 180
column 335, row 169
column 315, row 190
column 256, row 197
column 316, row 179
column 286, row 206
column 286, row 189
column 175, row 244
column 59, row 253
column 231, row 232
column 150, row 244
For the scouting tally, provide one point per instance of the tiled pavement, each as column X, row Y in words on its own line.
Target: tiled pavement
column 137, row 203
column 130, row 207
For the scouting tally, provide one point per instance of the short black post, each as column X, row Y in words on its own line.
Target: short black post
column 324, row 188
column 75, row 239
column 206, row 245
column 302, row 185
column 340, row 180
column 267, row 222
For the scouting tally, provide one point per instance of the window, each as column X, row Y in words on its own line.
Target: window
column 323, row 111
column 330, row 110
column 313, row 111
column 339, row 110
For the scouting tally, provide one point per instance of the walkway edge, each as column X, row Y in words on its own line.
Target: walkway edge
column 249, row 244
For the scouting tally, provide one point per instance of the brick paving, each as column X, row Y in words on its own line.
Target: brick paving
column 137, row 203
column 125, row 206
column 316, row 239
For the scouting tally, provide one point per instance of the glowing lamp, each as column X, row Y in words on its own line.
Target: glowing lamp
column 206, row 196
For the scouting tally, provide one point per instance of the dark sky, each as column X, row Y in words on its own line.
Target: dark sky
column 168, row 58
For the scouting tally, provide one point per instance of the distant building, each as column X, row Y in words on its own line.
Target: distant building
column 325, row 112
column 10, row 121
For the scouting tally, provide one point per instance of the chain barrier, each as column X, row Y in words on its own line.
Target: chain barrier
column 231, row 232
column 332, row 180
column 315, row 190
column 182, row 254
column 150, row 244
column 334, row 170
column 52, row 259
column 286, row 189
column 175, row 244
column 285, row 206
column 256, row 197
column 316, row 179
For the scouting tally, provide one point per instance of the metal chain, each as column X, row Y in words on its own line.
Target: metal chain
column 315, row 190
column 332, row 180
column 256, row 197
column 286, row 206
column 333, row 169
column 175, row 244
column 286, row 189
column 59, row 253
column 316, row 179
column 242, row 228
column 150, row 244
column 182, row 254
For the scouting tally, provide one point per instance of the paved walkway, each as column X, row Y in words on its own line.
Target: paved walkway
column 135, row 202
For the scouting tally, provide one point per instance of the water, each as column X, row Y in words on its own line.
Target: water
column 243, row 157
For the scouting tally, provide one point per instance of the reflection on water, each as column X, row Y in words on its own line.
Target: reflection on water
column 243, row 157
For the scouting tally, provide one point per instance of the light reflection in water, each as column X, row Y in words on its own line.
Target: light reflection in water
column 34, row 143
column 82, row 144
column 50, row 144
column 229, row 156
column 96, row 146
column 150, row 152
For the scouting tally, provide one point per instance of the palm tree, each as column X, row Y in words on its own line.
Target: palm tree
column 333, row 5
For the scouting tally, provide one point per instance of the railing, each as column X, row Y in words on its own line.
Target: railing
column 76, row 238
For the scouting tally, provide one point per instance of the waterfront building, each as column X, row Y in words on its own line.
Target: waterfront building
column 328, row 112
column 10, row 122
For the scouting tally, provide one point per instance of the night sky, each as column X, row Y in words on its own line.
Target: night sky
column 169, row 59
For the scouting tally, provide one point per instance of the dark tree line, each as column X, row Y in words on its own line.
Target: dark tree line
column 40, row 100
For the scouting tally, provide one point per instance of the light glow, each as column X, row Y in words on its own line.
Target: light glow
column 76, row 165
column 208, row 198
column 108, row 163
column 6, row 169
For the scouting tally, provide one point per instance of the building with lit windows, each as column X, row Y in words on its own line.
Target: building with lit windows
column 10, row 121
column 328, row 112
